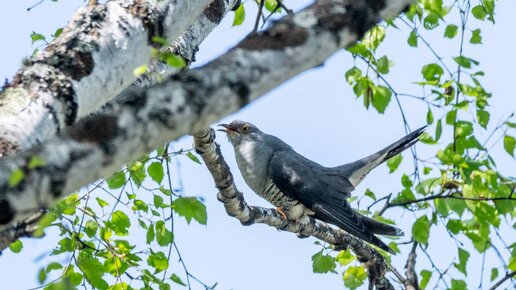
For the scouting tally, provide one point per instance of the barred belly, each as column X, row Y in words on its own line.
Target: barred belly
column 292, row 208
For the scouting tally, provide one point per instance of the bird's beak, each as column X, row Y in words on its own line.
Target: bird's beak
column 227, row 129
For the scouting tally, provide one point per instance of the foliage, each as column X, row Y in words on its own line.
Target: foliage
column 459, row 190
column 95, row 236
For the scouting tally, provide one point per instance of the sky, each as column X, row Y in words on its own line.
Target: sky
column 316, row 113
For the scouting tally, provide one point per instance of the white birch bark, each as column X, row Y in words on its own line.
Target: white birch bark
column 86, row 66
column 188, row 102
column 185, row 46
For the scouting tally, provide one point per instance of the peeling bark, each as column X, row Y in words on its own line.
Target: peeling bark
column 185, row 46
column 188, row 102
column 86, row 66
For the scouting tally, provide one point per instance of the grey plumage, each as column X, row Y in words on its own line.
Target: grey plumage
column 301, row 188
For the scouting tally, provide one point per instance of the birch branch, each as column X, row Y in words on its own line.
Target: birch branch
column 87, row 65
column 144, row 119
column 185, row 46
column 237, row 207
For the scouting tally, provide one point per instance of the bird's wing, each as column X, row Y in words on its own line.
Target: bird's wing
column 320, row 189
column 307, row 181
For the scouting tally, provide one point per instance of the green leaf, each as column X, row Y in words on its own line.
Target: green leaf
column 42, row 276
column 120, row 223
column 178, row 280
column 120, row 286
column 322, row 263
column 354, row 277
column 431, row 21
column 93, row 270
column 441, row 207
column 57, row 32
column 429, row 117
column 512, row 263
column 16, row 177
column 483, row 118
column 156, row 172
column 457, row 205
column 35, row 37
column 454, row 226
column 450, row 31
column 150, row 234
column 450, row 117
column 142, row 69
column 101, row 202
column 421, row 230
column 174, row 60
column 509, row 143
column 382, row 65
column 464, row 62
column 193, row 157
column 90, row 228
column 432, row 72
column 163, row 236
column 353, row 74
column 36, row 162
column 463, row 260
column 381, row 98
column 158, row 201
column 370, row 194
column 475, row 37
column 458, row 285
column 345, row 257
column 425, row 278
column 160, row 40
column 394, row 162
column 53, row 266
column 394, row 247
column 16, row 246
column 494, row 274
column 438, row 130
column 412, row 40
column 239, row 15
column 158, row 261
column 117, row 180
column 479, row 12
column 138, row 173
column 271, row 5
column 191, row 207
column 427, row 186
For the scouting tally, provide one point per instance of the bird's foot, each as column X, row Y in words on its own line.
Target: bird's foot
column 282, row 213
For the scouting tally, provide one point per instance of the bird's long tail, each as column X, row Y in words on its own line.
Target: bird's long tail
column 356, row 171
column 380, row 228
column 347, row 219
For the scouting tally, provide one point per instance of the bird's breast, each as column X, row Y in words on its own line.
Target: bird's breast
column 252, row 162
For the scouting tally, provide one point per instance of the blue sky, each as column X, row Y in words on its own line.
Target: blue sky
column 319, row 116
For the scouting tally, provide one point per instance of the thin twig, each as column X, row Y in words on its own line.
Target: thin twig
column 505, row 278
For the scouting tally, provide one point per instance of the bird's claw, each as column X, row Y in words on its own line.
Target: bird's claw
column 282, row 213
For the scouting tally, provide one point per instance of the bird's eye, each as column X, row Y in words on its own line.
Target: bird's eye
column 245, row 128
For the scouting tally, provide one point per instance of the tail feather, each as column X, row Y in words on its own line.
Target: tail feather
column 356, row 171
column 347, row 219
column 380, row 228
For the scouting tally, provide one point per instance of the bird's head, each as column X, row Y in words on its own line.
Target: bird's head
column 240, row 131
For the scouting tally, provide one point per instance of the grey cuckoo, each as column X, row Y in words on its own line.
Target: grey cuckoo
column 300, row 188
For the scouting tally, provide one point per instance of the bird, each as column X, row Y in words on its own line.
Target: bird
column 301, row 189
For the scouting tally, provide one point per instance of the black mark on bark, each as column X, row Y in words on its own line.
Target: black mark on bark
column 278, row 37
column 7, row 147
column 215, row 11
column 95, row 129
column 6, row 212
column 358, row 16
